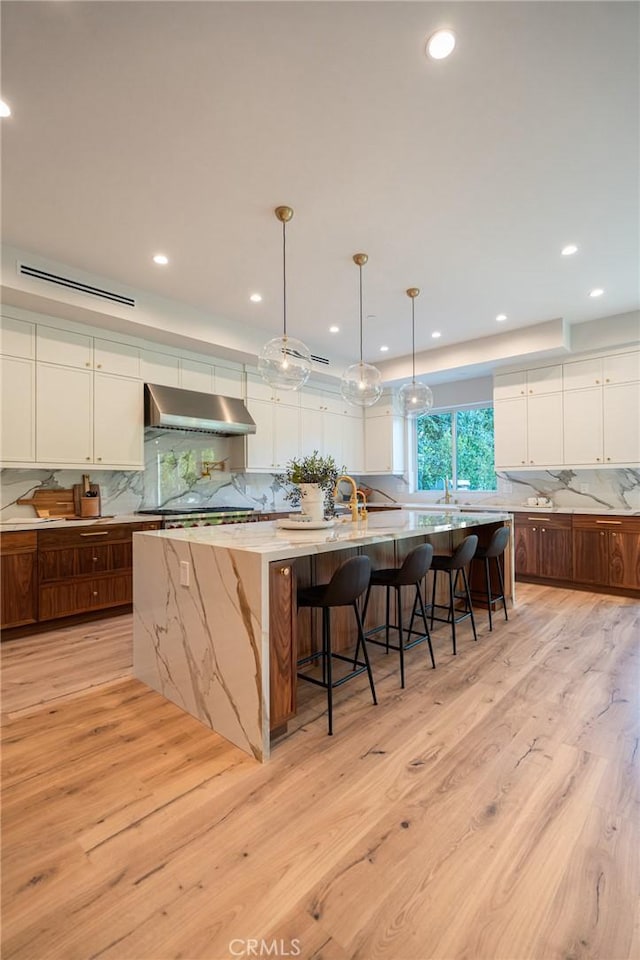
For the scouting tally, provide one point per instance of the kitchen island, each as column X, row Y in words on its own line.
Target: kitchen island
column 216, row 627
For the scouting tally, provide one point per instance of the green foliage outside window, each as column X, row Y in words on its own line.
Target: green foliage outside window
column 457, row 445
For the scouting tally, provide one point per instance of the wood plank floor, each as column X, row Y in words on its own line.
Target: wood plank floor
column 487, row 812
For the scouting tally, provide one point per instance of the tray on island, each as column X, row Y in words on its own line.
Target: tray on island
column 304, row 524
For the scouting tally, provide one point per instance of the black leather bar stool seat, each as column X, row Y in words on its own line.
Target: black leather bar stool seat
column 494, row 551
column 410, row 574
column 347, row 584
column 450, row 565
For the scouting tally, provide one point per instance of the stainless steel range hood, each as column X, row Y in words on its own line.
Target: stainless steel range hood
column 172, row 409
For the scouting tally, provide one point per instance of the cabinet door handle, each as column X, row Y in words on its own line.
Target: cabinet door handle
column 534, row 529
column 597, row 381
column 615, row 522
column 99, row 366
column 612, row 534
column 100, row 533
column 285, row 571
column 544, row 529
column 602, row 533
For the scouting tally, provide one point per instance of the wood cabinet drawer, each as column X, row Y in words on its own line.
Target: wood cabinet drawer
column 82, row 536
column 593, row 522
column 18, row 542
column 553, row 521
column 80, row 596
column 61, row 563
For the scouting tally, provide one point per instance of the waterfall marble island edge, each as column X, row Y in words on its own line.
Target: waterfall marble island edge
column 201, row 605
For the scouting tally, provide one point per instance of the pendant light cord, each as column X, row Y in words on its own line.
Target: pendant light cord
column 284, row 279
column 413, row 337
column 360, row 270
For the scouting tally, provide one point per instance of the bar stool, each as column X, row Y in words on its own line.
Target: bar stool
column 457, row 563
column 413, row 570
column 349, row 582
column 494, row 551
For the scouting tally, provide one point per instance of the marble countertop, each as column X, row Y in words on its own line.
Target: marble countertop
column 521, row 508
column 275, row 543
column 26, row 523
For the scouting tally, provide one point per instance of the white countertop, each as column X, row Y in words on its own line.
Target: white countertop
column 35, row 523
column 274, row 543
column 519, row 508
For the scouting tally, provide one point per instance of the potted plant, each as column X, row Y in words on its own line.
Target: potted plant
column 311, row 481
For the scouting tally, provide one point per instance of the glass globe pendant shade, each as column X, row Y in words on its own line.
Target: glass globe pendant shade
column 285, row 363
column 416, row 399
column 361, row 384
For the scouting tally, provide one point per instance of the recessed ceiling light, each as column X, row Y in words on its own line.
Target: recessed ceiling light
column 5, row 109
column 161, row 259
column 334, row 329
column 596, row 292
column 384, row 349
column 569, row 250
column 440, row 44
column 436, row 334
column 255, row 297
column 501, row 317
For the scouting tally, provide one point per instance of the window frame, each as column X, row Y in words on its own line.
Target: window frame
column 452, row 411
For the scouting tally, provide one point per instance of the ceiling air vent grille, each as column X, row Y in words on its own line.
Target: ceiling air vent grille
column 37, row 274
column 319, row 359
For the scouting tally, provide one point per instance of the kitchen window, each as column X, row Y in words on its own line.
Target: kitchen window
column 458, row 445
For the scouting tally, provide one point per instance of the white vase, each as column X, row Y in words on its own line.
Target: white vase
column 312, row 500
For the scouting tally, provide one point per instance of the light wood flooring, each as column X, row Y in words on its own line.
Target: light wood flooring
column 487, row 812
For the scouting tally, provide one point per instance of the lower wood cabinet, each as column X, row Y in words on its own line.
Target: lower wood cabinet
column 59, row 573
column 602, row 552
column 606, row 551
column 18, row 560
column 543, row 546
column 283, row 642
column 86, row 568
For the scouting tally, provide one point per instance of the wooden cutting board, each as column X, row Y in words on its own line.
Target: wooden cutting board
column 51, row 503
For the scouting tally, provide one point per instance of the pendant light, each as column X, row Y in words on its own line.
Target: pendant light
column 284, row 362
column 416, row 398
column 361, row 383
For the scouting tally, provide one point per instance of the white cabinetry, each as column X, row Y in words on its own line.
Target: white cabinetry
column 276, row 439
column 228, row 382
column 18, row 338
column 159, row 368
column 196, row 376
column 17, row 411
column 118, row 421
column 593, row 420
column 109, row 356
column 583, row 426
column 88, row 419
column 621, row 416
column 64, row 415
column 528, row 431
column 384, row 444
column 64, row 347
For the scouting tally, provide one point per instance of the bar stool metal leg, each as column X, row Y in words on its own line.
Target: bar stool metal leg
column 365, row 652
column 468, row 601
column 487, row 577
column 326, row 625
column 501, row 579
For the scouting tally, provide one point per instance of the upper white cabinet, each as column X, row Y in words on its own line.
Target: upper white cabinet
column 528, row 431
column 17, row 411
column 277, row 436
column 196, row 376
column 621, row 416
column 118, row 423
column 584, row 412
column 384, row 444
column 17, row 338
column 64, row 347
column 159, row 368
column 541, row 380
column 64, row 415
column 228, row 382
column 121, row 359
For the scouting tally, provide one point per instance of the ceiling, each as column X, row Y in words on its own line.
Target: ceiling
column 178, row 127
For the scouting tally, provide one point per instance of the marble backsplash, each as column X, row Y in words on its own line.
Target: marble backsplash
column 612, row 488
column 174, row 464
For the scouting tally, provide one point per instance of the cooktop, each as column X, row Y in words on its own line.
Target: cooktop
column 185, row 511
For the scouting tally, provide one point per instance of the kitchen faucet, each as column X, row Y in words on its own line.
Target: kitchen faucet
column 353, row 502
